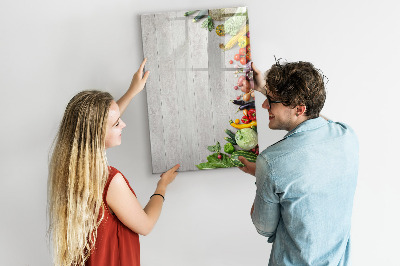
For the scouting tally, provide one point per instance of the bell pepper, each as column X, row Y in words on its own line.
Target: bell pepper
column 252, row 114
column 245, row 120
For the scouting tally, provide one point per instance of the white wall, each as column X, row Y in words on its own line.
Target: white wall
column 49, row 50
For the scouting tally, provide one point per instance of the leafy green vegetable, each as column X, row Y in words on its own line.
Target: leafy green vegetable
column 229, row 148
column 234, row 23
column 246, row 138
column 208, row 23
column 214, row 162
column 215, row 148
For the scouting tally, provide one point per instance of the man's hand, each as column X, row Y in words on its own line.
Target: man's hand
column 259, row 81
column 249, row 167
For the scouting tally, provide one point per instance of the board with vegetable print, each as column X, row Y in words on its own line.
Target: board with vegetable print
column 201, row 107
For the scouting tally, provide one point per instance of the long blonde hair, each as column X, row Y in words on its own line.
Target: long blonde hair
column 78, row 171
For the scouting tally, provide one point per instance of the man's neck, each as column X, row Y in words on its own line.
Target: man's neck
column 298, row 121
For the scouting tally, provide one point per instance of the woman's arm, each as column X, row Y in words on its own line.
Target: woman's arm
column 137, row 85
column 127, row 208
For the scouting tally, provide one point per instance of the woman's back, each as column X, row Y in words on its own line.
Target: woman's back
column 116, row 244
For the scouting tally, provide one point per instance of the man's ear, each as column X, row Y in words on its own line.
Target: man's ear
column 300, row 110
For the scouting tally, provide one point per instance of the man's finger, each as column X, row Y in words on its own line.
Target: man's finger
column 244, row 169
column 243, row 160
column 254, row 68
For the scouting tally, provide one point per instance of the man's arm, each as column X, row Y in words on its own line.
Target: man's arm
column 265, row 212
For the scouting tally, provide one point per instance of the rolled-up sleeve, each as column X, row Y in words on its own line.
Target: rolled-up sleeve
column 266, row 212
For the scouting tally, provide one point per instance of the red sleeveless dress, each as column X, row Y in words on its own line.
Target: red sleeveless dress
column 116, row 244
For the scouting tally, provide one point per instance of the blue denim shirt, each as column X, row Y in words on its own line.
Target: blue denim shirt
column 305, row 189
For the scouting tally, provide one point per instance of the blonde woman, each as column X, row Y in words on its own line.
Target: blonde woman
column 95, row 217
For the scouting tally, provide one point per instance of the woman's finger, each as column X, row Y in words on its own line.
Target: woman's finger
column 146, row 75
column 176, row 167
column 142, row 65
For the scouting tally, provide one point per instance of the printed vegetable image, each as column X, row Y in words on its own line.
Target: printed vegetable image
column 247, row 97
column 252, row 114
column 251, row 157
column 220, row 30
column 229, row 148
column 245, row 120
column 214, row 162
column 188, row 13
column 208, row 24
column 240, row 80
column 247, row 105
column 233, row 24
column 233, row 41
column 241, row 139
column 240, row 126
column 233, row 141
column 246, row 138
column 243, row 41
column 245, row 86
column 200, row 15
column 217, row 159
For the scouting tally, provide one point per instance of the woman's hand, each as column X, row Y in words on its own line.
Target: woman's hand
column 259, row 81
column 168, row 176
column 138, row 79
column 137, row 85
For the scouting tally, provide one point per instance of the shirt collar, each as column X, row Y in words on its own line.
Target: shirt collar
column 307, row 125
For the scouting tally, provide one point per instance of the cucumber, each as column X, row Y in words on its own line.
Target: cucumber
column 200, row 15
column 228, row 139
column 251, row 157
column 230, row 134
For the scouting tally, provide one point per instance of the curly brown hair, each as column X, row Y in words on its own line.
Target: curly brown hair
column 298, row 83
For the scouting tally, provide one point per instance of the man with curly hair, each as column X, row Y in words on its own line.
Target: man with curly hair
column 306, row 181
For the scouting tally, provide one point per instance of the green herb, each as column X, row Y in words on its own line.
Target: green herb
column 213, row 162
column 215, row 148
column 208, row 23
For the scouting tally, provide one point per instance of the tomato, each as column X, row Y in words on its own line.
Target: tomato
column 243, row 60
column 248, row 56
column 242, row 51
column 236, row 57
column 248, row 48
column 230, row 62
